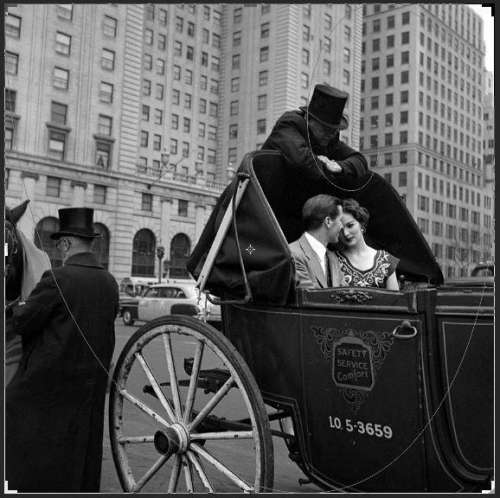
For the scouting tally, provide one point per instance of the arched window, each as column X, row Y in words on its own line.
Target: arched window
column 100, row 246
column 143, row 254
column 44, row 228
column 180, row 248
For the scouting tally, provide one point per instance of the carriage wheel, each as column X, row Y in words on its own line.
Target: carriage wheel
column 185, row 413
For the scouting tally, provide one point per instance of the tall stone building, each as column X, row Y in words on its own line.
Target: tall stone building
column 141, row 111
column 422, row 122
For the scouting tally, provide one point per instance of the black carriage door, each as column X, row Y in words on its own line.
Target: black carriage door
column 363, row 407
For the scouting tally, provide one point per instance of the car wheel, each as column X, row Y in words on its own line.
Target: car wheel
column 127, row 317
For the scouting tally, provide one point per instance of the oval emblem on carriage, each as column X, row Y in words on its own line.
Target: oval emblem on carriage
column 352, row 364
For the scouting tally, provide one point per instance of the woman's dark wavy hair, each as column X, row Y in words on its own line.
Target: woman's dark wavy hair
column 358, row 212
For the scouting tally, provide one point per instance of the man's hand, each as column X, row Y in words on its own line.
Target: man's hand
column 330, row 164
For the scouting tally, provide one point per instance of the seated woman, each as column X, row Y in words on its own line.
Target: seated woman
column 359, row 264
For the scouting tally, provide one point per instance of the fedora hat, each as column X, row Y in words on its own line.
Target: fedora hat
column 327, row 105
column 76, row 222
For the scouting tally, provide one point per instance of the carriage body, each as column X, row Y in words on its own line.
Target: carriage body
column 388, row 391
column 374, row 410
column 375, row 406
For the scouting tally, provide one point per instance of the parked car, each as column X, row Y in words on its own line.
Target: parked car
column 483, row 270
column 173, row 297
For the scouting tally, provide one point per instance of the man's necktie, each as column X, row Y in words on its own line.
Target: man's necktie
column 328, row 271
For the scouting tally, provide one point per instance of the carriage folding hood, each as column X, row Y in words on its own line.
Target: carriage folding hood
column 268, row 217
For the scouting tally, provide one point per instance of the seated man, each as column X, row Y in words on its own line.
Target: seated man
column 315, row 265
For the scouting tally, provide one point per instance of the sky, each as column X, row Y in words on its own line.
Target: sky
column 488, row 30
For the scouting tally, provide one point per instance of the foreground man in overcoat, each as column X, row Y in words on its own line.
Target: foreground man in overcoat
column 55, row 402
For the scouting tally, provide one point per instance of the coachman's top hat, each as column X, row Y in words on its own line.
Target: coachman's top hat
column 76, row 222
column 327, row 105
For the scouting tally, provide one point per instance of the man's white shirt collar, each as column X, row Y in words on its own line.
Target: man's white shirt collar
column 318, row 247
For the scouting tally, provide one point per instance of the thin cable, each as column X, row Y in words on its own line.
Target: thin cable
column 318, row 166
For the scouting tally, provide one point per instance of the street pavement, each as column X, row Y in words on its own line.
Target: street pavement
column 286, row 473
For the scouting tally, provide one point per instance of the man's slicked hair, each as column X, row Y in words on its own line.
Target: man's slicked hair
column 317, row 208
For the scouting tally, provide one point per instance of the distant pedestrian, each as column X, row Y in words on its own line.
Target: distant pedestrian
column 55, row 402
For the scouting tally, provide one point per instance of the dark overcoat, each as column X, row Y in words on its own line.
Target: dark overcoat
column 290, row 135
column 55, row 402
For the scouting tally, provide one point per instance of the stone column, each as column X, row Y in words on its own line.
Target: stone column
column 166, row 214
column 78, row 199
column 27, row 222
column 200, row 220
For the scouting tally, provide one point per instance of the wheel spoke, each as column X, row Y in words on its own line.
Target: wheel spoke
column 188, row 475
column 156, row 387
column 173, row 377
column 222, row 435
column 197, row 465
column 212, row 403
column 174, row 476
column 143, row 407
column 135, row 439
column 150, row 473
column 222, row 468
column 193, row 381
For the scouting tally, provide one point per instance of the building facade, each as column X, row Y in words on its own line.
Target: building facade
column 422, row 122
column 142, row 111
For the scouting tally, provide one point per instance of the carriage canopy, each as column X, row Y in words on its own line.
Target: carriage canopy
column 268, row 217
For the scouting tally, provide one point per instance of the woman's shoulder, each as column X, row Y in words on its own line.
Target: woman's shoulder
column 388, row 257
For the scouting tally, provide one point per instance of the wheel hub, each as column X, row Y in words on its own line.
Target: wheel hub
column 173, row 439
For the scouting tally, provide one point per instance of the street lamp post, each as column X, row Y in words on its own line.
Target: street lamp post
column 160, row 252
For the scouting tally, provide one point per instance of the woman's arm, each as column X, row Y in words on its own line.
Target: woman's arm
column 392, row 282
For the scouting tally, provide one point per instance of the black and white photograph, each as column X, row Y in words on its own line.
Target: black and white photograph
column 249, row 248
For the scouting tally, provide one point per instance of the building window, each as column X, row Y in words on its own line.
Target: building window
column 403, row 98
column 264, row 30
column 264, row 54
column 109, row 26
column 347, row 33
column 10, row 100
column 388, row 159
column 65, row 11
column 162, row 17
column 108, row 59
column 148, row 36
column 237, row 13
column 147, row 62
column 235, row 63
column 100, row 194
column 305, row 56
column 150, row 12
column 160, row 66
column 403, row 157
column 327, row 67
column 304, row 80
column 402, row 179
column 236, row 38
column 182, row 208
column 215, row 64
column 11, row 62
column 173, row 146
column 233, row 130
column 157, row 142
column 262, row 102
column 103, row 154
column 376, row 45
column 405, row 37
column 388, row 177
column 235, row 84
column 104, row 125
column 177, row 48
column 175, row 122
column 143, row 255
column 57, row 144
column 106, row 92
column 405, row 76
column 261, row 126
column 63, row 43
column 146, row 202
column 146, row 87
column 190, row 29
column 190, row 53
column 202, row 106
column 263, row 77
column 159, row 91
column 187, row 101
column 13, row 26
column 306, row 33
column 185, row 149
column 53, row 188
column 234, row 108
column 405, row 18
column 186, row 125
column 58, row 113
column 144, row 138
